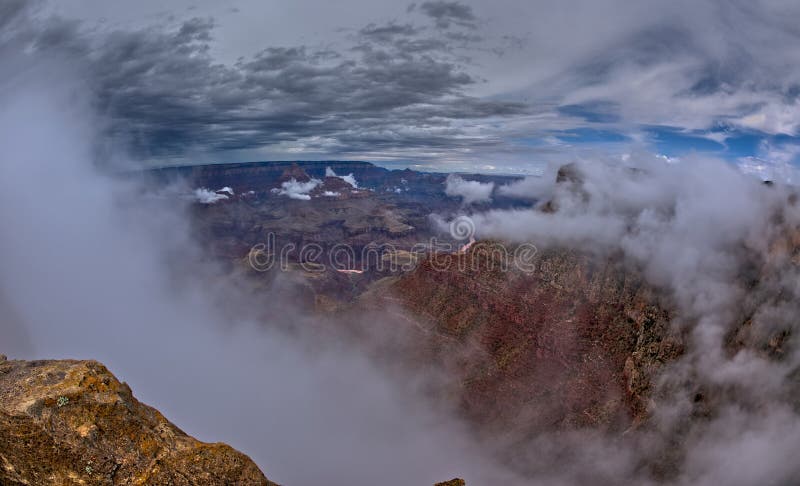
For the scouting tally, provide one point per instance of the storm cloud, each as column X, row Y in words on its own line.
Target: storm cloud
column 394, row 86
column 447, row 13
column 440, row 82
column 94, row 269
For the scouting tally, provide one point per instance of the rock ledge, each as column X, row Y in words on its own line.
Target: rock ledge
column 72, row 422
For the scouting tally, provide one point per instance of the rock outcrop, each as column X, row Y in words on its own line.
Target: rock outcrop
column 572, row 342
column 72, row 422
column 294, row 173
column 452, row 482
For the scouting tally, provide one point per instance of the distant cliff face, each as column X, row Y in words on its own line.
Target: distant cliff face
column 388, row 208
column 573, row 342
column 263, row 175
column 73, row 422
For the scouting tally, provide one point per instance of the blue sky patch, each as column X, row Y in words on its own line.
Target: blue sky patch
column 675, row 142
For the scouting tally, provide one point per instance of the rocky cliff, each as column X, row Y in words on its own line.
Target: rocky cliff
column 73, row 422
column 570, row 342
column 261, row 175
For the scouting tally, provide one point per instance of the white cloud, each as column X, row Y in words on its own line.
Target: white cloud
column 297, row 190
column 469, row 191
column 695, row 229
column 773, row 163
column 774, row 117
column 538, row 186
column 349, row 178
column 206, row 196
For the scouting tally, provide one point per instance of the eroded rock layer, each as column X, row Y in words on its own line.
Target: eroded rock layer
column 570, row 342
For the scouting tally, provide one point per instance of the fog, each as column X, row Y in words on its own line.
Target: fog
column 470, row 192
column 94, row 269
column 718, row 243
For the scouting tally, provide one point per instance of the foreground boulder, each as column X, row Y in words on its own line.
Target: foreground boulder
column 73, row 422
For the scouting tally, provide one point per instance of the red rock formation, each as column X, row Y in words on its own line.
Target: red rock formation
column 294, row 172
column 571, row 344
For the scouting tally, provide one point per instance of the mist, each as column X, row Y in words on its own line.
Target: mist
column 470, row 192
column 93, row 268
column 718, row 243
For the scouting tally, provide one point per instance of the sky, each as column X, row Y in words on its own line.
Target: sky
column 505, row 86
column 501, row 86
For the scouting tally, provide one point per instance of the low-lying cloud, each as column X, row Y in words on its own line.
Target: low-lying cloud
column 347, row 178
column 533, row 187
column 206, row 196
column 719, row 243
column 470, row 192
column 94, row 269
column 295, row 189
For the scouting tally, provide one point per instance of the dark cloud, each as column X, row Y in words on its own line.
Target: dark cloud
column 446, row 13
column 388, row 32
column 11, row 10
column 166, row 95
column 443, row 74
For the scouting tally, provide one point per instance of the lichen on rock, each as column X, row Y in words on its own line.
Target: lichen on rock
column 72, row 422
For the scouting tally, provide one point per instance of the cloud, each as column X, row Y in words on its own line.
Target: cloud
column 388, row 32
column 664, row 64
column 392, row 88
column 445, row 13
column 775, row 162
column 132, row 282
column 480, row 83
column 534, row 187
column 12, row 10
column 470, row 192
column 348, row 178
column 297, row 190
column 205, row 196
column 130, row 287
column 715, row 242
